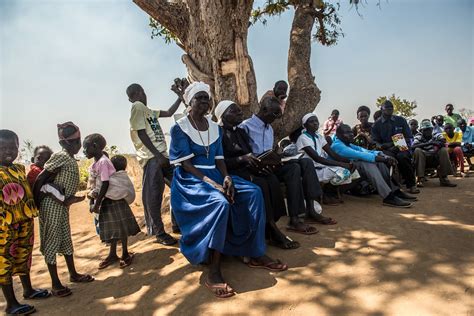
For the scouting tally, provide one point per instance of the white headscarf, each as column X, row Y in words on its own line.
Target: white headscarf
column 307, row 117
column 194, row 88
column 221, row 108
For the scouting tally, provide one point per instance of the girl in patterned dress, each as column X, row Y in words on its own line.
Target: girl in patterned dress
column 55, row 231
column 17, row 210
column 116, row 220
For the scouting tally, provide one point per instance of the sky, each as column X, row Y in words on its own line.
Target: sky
column 72, row 60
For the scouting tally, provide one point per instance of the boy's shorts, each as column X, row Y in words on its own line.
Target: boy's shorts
column 16, row 248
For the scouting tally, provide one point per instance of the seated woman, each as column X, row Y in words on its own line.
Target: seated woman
column 362, row 131
column 240, row 160
column 314, row 146
column 214, row 218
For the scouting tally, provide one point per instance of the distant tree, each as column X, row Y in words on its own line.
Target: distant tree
column 402, row 107
column 112, row 150
column 26, row 150
column 466, row 113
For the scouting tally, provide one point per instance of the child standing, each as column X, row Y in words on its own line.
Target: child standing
column 116, row 220
column 55, row 230
column 17, row 210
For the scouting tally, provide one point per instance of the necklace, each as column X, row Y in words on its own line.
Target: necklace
column 206, row 148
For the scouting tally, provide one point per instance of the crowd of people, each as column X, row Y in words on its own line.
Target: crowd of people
column 228, row 180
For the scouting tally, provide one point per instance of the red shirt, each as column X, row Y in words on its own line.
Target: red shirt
column 33, row 174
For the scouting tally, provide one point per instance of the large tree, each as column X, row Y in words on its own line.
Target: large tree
column 213, row 35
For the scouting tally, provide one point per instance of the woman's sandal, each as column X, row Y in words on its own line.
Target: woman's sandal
column 23, row 309
column 269, row 265
column 308, row 230
column 107, row 262
column 286, row 244
column 220, row 290
column 61, row 292
column 83, row 278
column 37, row 294
column 127, row 261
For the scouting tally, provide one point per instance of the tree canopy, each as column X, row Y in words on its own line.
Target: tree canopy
column 402, row 107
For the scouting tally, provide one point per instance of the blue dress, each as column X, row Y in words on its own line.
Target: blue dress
column 206, row 219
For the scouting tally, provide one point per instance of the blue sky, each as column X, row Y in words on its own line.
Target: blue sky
column 72, row 60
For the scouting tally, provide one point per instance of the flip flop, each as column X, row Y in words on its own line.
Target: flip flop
column 268, row 266
column 127, row 261
column 23, row 309
column 84, row 278
column 38, row 294
column 322, row 221
column 285, row 244
column 62, row 292
column 220, row 286
column 107, row 262
column 307, row 231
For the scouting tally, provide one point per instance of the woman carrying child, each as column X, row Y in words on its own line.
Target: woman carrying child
column 17, row 210
column 116, row 220
column 55, row 230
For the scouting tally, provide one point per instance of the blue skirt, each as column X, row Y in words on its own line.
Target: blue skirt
column 208, row 221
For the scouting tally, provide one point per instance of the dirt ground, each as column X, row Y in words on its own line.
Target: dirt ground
column 376, row 261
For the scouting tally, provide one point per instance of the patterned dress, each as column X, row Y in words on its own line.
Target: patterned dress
column 55, row 231
column 17, row 210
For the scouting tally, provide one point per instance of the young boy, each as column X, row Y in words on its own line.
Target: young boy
column 151, row 149
column 17, row 210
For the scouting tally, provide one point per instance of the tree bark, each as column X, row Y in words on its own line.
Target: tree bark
column 304, row 94
column 214, row 36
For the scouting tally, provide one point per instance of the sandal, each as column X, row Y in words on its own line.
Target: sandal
column 62, row 292
column 127, row 261
column 23, row 309
column 286, row 244
column 220, row 290
column 83, row 278
column 107, row 262
column 269, row 265
column 38, row 293
column 303, row 229
column 322, row 220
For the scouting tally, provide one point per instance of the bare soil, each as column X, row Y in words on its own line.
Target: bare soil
column 376, row 261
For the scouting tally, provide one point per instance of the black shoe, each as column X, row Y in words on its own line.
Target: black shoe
column 166, row 239
column 176, row 230
column 446, row 183
column 394, row 201
column 402, row 195
column 413, row 190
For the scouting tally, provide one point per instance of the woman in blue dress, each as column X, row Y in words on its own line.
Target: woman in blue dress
column 217, row 214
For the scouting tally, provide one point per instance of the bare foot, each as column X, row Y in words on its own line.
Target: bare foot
column 73, row 199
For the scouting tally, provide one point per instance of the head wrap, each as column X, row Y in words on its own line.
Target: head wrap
column 307, row 117
column 425, row 124
column 194, row 88
column 62, row 127
column 221, row 108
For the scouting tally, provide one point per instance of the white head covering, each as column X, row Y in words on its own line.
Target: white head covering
column 307, row 117
column 194, row 88
column 220, row 109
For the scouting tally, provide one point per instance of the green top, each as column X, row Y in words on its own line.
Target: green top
column 453, row 119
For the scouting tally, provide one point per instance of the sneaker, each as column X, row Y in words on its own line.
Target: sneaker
column 394, row 201
column 166, row 239
column 402, row 195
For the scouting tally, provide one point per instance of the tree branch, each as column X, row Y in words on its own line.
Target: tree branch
column 173, row 16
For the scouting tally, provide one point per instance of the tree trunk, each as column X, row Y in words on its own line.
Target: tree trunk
column 304, row 94
column 214, row 36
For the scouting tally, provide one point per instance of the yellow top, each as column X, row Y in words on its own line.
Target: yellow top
column 16, row 197
column 457, row 138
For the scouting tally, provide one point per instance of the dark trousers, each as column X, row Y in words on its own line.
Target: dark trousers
column 154, row 179
column 301, row 183
column 439, row 160
column 405, row 166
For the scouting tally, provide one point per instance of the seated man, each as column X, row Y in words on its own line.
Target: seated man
column 453, row 141
column 383, row 133
column 413, row 128
column 430, row 151
column 467, row 141
column 300, row 177
column 372, row 165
